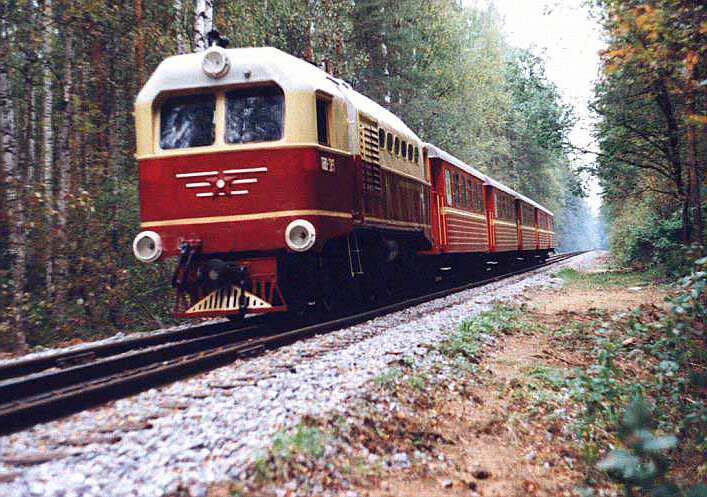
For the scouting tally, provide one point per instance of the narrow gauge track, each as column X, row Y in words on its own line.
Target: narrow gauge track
column 135, row 365
column 83, row 355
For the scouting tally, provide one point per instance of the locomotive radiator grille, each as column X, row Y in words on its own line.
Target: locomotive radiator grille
column 368, row 131
column 227, row 299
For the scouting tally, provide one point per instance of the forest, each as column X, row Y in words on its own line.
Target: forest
column 70, row 70
column 651, row 104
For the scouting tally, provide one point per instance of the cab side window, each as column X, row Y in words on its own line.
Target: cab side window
column 323, row 110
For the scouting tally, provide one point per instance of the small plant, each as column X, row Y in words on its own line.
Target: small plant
column 467, row 340
column 305, row 440
column 388, row 377
column 644, row 464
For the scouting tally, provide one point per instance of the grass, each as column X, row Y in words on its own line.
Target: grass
column 304, row 440
column 607, row 279
column 468, row 339
column 388, row 377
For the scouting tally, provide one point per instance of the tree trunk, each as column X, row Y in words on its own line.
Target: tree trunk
column 64, row 161
column 662, row 97
column 15, row 202
column 179, row 26
column 203, row 23
column 47, row 147
column 695, row 200
column 139, row 44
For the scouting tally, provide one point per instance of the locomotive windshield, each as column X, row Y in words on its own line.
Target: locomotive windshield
column 187, row 121
column 254, row 115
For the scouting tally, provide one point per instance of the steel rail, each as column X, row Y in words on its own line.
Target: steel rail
column 70, row 358
column 57, row 394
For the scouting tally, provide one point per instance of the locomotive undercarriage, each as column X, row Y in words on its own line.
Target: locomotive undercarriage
column 366, row 266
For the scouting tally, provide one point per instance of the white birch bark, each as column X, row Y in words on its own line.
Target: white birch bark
column 48, row 143
column 64, row 161
column 203, row 23
column 15, row 202
column 179, row 26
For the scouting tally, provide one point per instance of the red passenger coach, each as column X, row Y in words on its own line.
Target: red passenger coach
column 459, row 219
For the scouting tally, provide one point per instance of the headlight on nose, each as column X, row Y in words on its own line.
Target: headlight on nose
column 147, row 246
column 215, row 62
column 300, row 235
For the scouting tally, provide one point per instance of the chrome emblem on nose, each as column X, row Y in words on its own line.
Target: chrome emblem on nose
column 221, row 183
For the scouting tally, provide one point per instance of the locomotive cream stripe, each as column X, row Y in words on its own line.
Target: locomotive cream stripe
column 243, row 217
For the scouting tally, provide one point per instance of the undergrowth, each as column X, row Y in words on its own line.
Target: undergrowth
column 652, row 353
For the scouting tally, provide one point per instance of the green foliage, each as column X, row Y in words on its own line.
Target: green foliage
column 467, row 340
column 650, row 239
column 650, row 101
column 304, row 440
column 646, row 463
column 670, row 345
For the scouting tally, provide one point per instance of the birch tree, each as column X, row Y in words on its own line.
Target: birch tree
column 203, row 23
column 48, row 143
column 14, row 194
column 62, row 262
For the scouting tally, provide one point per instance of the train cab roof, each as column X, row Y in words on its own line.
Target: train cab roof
column 260, row 66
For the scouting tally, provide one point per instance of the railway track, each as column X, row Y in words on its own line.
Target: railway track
column 43, row 389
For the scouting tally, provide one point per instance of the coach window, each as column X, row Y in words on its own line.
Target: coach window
column 456, row 190
column 405, row 149
column 187, row 122
column 448, row 186
column 463, row 199
column 470, row 199
column 417, row 154
column 389, row 142
column 381, row 138
column 397, row 146
column 410, row 151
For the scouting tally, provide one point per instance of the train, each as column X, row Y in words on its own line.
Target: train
column 281, row 189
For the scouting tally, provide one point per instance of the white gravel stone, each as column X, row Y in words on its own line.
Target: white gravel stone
column 219, row 434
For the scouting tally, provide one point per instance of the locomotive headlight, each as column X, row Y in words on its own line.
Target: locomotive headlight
column 147, row 246
column 300, row 235
column 215, row 62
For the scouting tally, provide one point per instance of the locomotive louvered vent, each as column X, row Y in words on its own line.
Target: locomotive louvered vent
column 227, row 299
column 370, row 150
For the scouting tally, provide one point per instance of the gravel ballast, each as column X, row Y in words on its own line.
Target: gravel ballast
column 213, row 426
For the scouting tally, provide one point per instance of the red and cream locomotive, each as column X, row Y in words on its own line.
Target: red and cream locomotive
column 280, row 187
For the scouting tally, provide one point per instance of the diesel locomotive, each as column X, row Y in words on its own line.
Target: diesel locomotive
column 280, row 188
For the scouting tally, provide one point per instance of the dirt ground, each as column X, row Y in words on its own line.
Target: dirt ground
column 505, row 430
column 502, row 444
